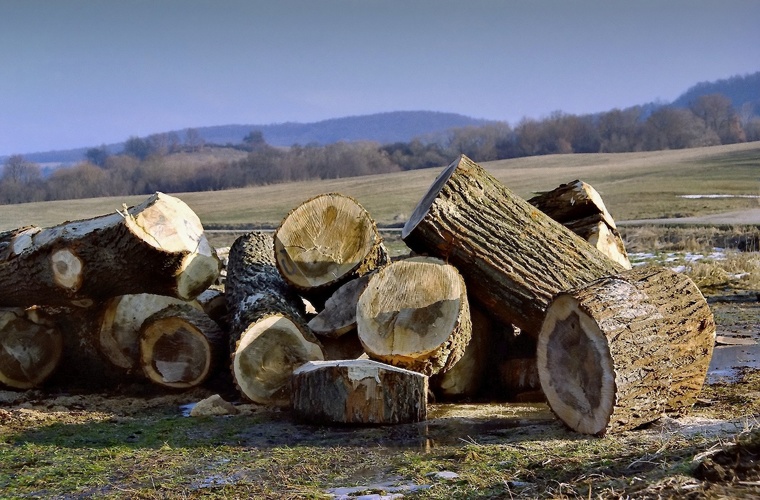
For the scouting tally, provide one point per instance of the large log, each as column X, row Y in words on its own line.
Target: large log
column 358, row 392
column 618, row 352
column 579, row 207
column 156, row 247
column 30, row 347
column 325, row 242
column 414, row 314
column 513, row 257
column 180, row 347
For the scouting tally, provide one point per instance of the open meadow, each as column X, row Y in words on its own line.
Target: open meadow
column 139, row 442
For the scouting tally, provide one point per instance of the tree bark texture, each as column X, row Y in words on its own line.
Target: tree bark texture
column 514, row 257
column 618, row 352
column 156, row 247
column 31, row 347
column 358, row 392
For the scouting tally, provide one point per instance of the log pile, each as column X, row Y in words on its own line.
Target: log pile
column 504, row 299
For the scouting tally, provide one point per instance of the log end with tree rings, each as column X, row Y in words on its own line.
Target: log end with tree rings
column 30, row 349
column 415, row 314
column 325, row 241
column 575, row 368
column 265, row 356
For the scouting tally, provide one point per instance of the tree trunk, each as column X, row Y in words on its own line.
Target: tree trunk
column 358, row 392
column 180, row 347
column 268, row 333
column 156, row 247
column 325, row 242
column 618, row 352
column 514, row 257
column 579, row 207
column 30, row 348
column 339, row 315
column 415, row 314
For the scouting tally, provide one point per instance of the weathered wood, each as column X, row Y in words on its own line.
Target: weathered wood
column 579, row 207
column 358, row 392
column 339, row 314
column 415, row 314
column 156, row 247
column 325, row 242
column 30, row 347
column 513, row 257
column 180, row 347
column 618, row 352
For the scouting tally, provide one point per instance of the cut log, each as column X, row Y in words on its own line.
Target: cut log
column 265, row 356
column 358, row 392
column 618, row 352
column 513, row 257
column 579, row 207
column 214, row 303
column 30, row 348
column 156, row 247
column 414, row 314
column 120, row 321
column 339, row 315
column 325, row 242
column 180, row 347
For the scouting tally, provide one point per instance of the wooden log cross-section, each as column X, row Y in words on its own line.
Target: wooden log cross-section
column 514, row 258
column 30, row 347
column 414, row 314
column 358, row 392
column 618, row 352
column 325, row 242
column 156, row 247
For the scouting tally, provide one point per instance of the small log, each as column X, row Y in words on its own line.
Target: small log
column 180, row 347
column 415, row 314
column 156, row 247
column 339, row 314
column 358, row 392
column 30, row 348
column 513, row 257
column 325, row 242
column 579, row 207
column 214, row 303
column 618, row 352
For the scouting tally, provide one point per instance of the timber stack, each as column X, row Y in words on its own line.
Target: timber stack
column 504, row 299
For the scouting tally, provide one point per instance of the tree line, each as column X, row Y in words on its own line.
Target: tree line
column 144, row 166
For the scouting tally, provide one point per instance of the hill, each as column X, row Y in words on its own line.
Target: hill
column 742, row 90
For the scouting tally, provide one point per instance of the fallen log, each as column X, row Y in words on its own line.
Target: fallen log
column 618, row 352
column 579, row 207
column 513, row 257
column 358, row 392
column 180, row 347
column 156, row 247
column 414, row 314
column 325, row 242
column 30, row 348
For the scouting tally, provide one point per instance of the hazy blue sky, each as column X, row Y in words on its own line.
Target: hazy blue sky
column 79, row 73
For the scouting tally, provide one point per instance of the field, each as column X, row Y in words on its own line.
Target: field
column 134, row 443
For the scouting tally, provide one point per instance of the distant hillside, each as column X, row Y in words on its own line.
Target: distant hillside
column 739, row 89
column 397, row 126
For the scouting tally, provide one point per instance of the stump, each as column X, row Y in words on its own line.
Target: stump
column 325, row 242
column 618, row 352
column 180, row 347
column 83, row 262
column 358, row 392
column 414, row 314
column 513, row 257
column 30, row 348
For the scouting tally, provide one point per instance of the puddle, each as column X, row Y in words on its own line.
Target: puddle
column 727, row 360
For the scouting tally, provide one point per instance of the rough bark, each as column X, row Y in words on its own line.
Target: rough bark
column 325, row 242
column 156, row 247
column 358, row 392
column 180, row 347
column 415, row 314
column 513, row 257
column 31, row 346
column 339, row 314
column 618, row 352
column 579, row 207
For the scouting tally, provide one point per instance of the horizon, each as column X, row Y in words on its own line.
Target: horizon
column 82, row 73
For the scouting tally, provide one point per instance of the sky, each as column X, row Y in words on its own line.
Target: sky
column 81, row 73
